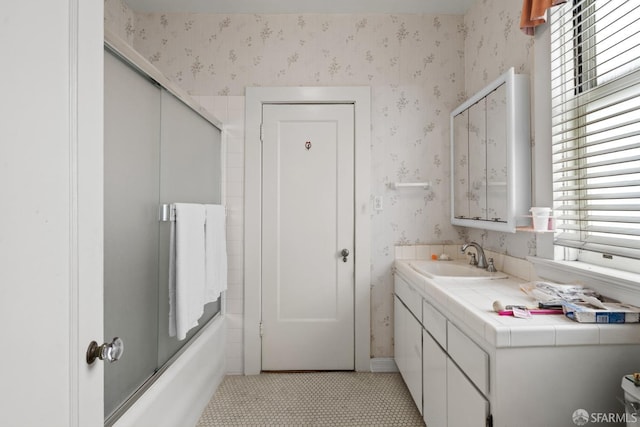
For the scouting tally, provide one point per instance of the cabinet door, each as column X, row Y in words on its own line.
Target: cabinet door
column 472, row 359
column 434, row 382
column 408, row 350
column 466, row 406
column 497, row 155
column 461, row 165
column 478, row 160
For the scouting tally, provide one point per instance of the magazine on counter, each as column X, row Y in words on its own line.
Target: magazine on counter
column 582, row 304
column 615, row 312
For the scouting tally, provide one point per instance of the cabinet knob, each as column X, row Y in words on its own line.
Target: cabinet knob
column 345, row 254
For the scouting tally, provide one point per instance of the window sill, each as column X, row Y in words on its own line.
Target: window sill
column 610, row 282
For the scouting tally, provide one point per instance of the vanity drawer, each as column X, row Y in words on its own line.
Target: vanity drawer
column 409, row 296
column 471, row 359
column 435, row 323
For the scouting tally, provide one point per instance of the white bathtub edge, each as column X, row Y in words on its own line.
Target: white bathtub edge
column 182, row 392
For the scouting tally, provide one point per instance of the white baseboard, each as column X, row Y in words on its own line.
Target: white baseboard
column 383, row 364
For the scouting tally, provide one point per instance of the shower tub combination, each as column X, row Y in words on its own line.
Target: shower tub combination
column 160, row 148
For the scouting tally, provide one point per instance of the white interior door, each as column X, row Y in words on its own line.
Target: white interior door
column 307, row 221
column 51, row 228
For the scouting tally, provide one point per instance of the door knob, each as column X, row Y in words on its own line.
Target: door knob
column 345, row 254
column 108, row 351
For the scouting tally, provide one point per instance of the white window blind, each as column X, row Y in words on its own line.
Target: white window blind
column 595, row 91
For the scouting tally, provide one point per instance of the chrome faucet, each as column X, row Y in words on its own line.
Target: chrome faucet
column 482, row 259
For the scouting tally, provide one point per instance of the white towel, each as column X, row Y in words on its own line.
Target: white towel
column 186, row 269
column 216, row 252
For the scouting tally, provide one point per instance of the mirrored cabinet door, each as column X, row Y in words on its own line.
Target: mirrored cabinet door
column 478, row 160
column 460, row 174
column 491, row 156
column 497, row 155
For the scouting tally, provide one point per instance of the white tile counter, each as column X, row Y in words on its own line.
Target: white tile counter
column 469, row 304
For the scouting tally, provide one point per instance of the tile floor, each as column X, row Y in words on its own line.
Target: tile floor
column 312, row 399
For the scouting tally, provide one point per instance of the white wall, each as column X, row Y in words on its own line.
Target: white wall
column 230, row 109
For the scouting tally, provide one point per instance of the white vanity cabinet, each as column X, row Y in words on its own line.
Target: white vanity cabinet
column 479, row 369
column 454, row 369
column 445, row 372
column 408, row 338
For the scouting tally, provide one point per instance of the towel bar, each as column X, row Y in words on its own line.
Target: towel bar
column 398, row 185
column 167, row 212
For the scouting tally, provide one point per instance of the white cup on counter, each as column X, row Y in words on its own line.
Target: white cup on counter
column 540, row 217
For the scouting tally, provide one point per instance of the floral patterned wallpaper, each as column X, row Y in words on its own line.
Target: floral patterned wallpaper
column 417, row 66
column 120, row 19
column 494, row 43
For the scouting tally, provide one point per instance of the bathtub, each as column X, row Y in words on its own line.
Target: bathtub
column 182, row 391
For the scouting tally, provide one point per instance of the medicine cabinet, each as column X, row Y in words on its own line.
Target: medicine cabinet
column 491, row 156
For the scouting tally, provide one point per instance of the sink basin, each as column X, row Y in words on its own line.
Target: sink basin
column 453, row 269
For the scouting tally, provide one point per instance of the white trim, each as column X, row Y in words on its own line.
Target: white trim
column 224, row 141
column 542, row 179
column 384, row 364
column 86, row 209
column 74, row 324
column 256, row 96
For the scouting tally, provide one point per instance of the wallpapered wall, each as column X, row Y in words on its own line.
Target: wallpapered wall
column 494, row 43
column 415, row 66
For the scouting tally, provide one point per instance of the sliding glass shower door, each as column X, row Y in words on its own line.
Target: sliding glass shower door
column 189, row 172
column 131, row 193
column 157, row 150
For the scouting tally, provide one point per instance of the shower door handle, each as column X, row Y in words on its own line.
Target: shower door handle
column 108, row 351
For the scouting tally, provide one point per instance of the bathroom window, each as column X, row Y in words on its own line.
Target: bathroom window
column 595, row 92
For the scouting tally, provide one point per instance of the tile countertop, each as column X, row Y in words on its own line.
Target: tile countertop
column 469, row 305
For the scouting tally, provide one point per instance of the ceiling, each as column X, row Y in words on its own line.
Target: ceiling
column 454, row 7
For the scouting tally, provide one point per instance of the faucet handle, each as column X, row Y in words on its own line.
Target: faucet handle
column 491, row 268
column 472, row 259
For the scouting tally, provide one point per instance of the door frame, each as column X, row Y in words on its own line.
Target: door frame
column 87, row 209
column 360, row 97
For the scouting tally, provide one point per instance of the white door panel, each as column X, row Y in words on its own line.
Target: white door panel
column 308, row 307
